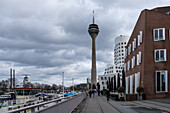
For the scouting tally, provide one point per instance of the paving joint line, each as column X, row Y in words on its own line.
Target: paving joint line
column 112, row 105
column 99, row 105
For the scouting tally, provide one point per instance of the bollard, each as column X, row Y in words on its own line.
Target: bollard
column 18, row 108
column 38, row 106
column 32, row 109
column 25, row 111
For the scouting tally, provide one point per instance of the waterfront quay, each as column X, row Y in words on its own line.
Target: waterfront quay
column 81, row 103
column 99, row 104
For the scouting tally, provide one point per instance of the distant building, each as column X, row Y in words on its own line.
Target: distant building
column 103, row 80
column 147, row 62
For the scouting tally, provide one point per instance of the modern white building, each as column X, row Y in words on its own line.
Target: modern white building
column 103, row 80
column 119, row 52
column 112, row 70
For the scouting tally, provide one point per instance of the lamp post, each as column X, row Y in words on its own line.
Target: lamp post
column 63, row 82
column 73, row 84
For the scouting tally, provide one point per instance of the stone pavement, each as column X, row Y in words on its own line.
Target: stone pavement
column 99, row 104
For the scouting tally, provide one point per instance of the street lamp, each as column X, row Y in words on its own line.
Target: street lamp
column 73, row 84
column 63, row 82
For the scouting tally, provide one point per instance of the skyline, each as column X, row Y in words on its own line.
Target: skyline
column 47, row 38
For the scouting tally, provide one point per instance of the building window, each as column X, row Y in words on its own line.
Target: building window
column 137, row 81
column 160, row 55
column 125, row 52
column 101, row 78
column 133, row 62
column 131, row 84
column 138, row 40
column 129, row 49
column 139, row 58
column 102, row 83
column 134, row 44
column 161, row 81
column 103, row 87
column 125, row 67
column 128, row 65
column 105, row 78
column 127, row 85
column 159, row 34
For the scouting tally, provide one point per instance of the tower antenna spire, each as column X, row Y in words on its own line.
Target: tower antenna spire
column 93, row 16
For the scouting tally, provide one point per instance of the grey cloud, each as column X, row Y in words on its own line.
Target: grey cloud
column 45, row 38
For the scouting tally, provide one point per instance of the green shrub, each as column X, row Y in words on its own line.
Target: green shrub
column 140, row 89
column 121, row 90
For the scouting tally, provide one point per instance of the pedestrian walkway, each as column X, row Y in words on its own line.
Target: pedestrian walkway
column 98, row 104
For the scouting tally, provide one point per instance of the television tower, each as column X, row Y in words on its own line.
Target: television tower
column 93, row 31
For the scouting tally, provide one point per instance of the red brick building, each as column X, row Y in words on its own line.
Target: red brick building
column 147, row 62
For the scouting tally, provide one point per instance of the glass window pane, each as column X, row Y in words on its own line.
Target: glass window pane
column 158, row 81
column 157, row 55
column 163, row 80
column 162, row 55
column 156, row 35
column 160, row 34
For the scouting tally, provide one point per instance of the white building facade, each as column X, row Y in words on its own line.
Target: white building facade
column 112, row 70
column 103, row 80
column 119, row 52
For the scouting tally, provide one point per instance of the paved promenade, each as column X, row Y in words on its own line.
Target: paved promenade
column 99, row 104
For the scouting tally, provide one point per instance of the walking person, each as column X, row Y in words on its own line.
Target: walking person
column 90, row 93
column 101, row 92
column 108, row 94
column 98, row 92
column 93, row 92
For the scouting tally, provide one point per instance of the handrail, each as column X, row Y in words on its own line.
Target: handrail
column 39, row 104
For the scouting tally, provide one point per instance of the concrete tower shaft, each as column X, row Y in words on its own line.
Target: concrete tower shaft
column 93, row 31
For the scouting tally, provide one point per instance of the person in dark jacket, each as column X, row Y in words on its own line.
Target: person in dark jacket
column 90, row 93
column 101, row 92
column 98, row 92
column 108, row 94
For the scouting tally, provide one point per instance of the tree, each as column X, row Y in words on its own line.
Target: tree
column 118, row 80
column 114, row 83
column 54, row 87
column 4, row 84
column 121, row 90
column 123, row 78
column 140, row 89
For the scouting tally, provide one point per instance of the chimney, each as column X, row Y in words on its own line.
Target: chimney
column 14, row 78
column 11, row 78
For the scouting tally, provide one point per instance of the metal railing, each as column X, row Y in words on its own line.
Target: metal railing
column 61, row 105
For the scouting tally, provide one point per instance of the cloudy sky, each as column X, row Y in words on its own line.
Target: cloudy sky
column 44, row 38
